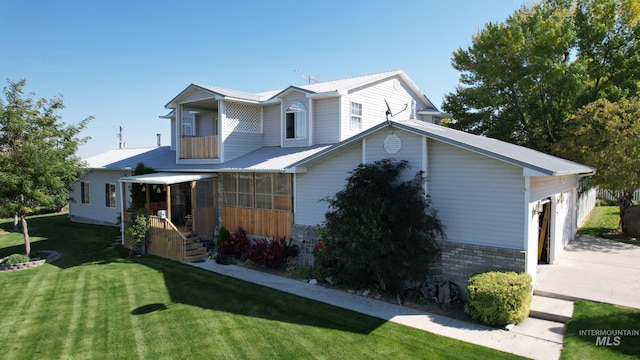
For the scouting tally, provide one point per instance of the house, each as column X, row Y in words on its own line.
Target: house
column 264, row 161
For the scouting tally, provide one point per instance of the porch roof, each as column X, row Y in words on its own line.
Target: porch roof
column 166, row 178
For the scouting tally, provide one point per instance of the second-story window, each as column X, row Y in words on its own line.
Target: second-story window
column 189, row 125
column 356, row 116
column 296, row 121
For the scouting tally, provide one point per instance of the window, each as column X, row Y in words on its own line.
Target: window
column 356, row 116
column 237, row 189
column 189, row 125
column 272, row 191
column 110, row 195
column 296, row 126
column 84, row 192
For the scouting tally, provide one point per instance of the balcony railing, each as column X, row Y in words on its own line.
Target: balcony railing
column 202, row 147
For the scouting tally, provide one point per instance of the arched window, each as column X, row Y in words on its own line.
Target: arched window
column 296, row 126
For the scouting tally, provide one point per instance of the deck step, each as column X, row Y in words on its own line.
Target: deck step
column 196, row 251
column 193, row 246
column 194, row 258
column 192, row 240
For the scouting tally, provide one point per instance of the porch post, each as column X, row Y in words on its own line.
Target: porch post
column 193, row 206
column 169, row 202
column 148, row 197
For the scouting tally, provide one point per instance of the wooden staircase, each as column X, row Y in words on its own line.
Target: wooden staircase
column 194, row 250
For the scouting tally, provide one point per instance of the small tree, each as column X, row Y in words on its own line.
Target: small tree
column 38, row 164
column 380, row 229
column 138, row 229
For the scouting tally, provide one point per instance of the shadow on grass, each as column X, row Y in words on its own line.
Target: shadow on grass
column 207, row 290
column 77, row 243
column 85, row 245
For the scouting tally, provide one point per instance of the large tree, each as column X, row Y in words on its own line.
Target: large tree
column 38, row 162
column 380, row 229
column 606, row 135
column 521, row 78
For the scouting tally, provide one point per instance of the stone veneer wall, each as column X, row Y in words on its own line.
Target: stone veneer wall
column 458, row 261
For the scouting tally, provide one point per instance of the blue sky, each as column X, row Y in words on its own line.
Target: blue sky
column 122, row 61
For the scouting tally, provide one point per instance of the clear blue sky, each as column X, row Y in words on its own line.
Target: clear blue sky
column 122, row 61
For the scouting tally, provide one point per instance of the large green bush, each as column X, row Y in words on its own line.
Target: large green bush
column 499, row 298
column 381, row 228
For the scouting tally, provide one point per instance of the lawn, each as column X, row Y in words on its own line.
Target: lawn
column 595, row 316
column 603, row 223
column 97, row 302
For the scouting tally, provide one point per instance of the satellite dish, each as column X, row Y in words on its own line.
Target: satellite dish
column 389, row 113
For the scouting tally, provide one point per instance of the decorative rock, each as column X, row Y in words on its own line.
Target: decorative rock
column 365, row 293
column 330, row 280
column 313, row 281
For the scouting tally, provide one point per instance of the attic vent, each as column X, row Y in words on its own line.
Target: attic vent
column 243, row 118
column 392, row 144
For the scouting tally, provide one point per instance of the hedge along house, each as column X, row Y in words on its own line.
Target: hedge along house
column 269, row 158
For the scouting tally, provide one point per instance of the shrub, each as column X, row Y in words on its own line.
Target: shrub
column 223, row 235
column 138, row 229
column 381, row 229
column 272, row 253
column 499, row 298
column 236, row 245
column 16, row 259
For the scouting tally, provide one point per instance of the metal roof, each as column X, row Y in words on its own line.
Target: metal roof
column 536, row 161
column 163, row 178
column 335, row 87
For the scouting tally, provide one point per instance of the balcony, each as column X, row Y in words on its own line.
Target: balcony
column 202, row 147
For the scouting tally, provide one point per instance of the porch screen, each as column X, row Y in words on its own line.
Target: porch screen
column 259, row 190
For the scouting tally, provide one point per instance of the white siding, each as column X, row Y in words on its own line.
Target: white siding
column 373, row 106
column 479, row 200
column 326, row 121
column 544, row 186
column 323, row 179
column 271, row 121
column 173, row 134
column 206, row 123
column 238, row 144
column 96, row 211
column 410, row 150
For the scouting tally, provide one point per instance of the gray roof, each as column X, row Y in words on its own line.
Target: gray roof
column 537, row 161
column 336, row 87
column 265, row 159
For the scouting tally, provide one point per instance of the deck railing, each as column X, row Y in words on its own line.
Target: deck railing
column 165, row 240
column 202, row 147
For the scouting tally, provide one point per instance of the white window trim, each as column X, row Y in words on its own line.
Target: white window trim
column 355, row 116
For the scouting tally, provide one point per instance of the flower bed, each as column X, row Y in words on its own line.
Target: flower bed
column 49, row 257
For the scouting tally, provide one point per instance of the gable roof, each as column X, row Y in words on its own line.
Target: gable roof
column 537, row 162
column 327, row 88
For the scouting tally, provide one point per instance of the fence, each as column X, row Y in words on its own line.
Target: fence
column 608, row 195
column 164, row 239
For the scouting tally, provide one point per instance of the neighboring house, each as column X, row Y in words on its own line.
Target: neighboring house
column 265, row 161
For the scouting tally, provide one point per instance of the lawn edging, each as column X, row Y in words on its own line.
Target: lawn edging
column 51, row 256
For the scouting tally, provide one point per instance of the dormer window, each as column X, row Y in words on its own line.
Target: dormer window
column 189, row 124
column 296, row 121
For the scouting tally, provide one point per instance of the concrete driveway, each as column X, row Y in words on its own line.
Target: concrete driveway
column 594, row 269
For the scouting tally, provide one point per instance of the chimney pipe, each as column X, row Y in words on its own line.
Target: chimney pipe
column 158, row 136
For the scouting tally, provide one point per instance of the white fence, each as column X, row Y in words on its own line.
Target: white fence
column 586, row 203
column 608, row 195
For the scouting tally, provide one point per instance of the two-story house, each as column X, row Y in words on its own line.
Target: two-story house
column 265, row 161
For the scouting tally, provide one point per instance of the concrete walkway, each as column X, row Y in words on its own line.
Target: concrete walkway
column 594, row 269
column 534, row 338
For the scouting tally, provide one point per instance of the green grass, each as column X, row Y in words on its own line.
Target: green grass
column 596, row 316
column 603, row 222
column 97, row 302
